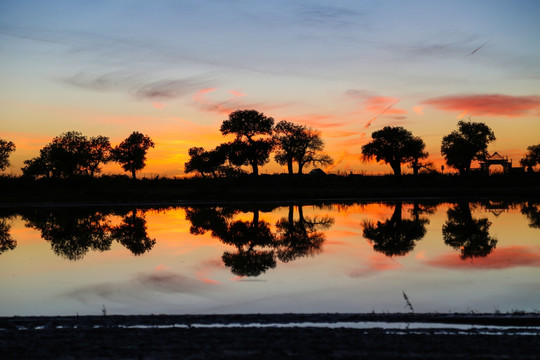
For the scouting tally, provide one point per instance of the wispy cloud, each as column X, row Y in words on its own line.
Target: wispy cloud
column 235, row 100
column 138, row 85
column 488, row 104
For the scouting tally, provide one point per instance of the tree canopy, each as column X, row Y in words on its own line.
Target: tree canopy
column 68, row 155
column 131, row 153
column 253, row 142
column 6, row 148
column 466, row 144
column 300, row 144
column 531, row 158
column 205, row 162
column 395, row 146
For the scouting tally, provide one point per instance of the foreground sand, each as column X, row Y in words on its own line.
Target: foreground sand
column 171, row 337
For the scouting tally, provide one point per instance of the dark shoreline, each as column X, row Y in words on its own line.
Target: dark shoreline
column 114, row 190
column 120, row 337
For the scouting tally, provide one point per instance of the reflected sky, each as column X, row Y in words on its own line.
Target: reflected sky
column 446, row 257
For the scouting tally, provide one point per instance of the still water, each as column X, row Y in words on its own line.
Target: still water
column 354, row 257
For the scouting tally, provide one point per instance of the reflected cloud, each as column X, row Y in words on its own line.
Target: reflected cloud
column 141, row 286
column 501, row 258
column 376, row 263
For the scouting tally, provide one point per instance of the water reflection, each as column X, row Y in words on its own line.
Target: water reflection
column 72, row 232
column 532, row 211
column 257, row 246
column 470, row 236
column 397, row 236
column 132, row 233
column 6, row 241
column 302, row 237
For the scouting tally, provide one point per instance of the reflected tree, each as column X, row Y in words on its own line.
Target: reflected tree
column 71, row 232
column 6, row 241
column 469, row 236
column 396, row 236
column 254, row 247
column 257, row 247
column 132, row 233
column 532, row 212
column 302, row 237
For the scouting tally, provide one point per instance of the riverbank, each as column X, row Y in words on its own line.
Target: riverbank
column 186, row 337
column 123, row 190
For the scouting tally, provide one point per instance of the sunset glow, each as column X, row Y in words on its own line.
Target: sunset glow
column 174, row 70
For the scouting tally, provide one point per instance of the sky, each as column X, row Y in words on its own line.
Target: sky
column 174, row 70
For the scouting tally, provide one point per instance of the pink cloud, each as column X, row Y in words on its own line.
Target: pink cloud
column 376, row 263
column 500, row 258
column 315, row 120
column 488, row 104
column 225, row 107
column 376, row 105
column 236, row 93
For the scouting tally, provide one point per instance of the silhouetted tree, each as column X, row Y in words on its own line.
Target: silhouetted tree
column 532, row 212
column 38, row 166
column 131, row 153
column 531, row 158
column 69, row 154
column 6, row 148
column 6, row 241
column 395, row 236
column 299, row 143
column 207, row 162
column 302, row 237
column 99, row 152
column 469, row 236
column 418, row 151
column 132, row 233
column 395, row 146
column 253, row 143
column 466, row 144
column 71, row 232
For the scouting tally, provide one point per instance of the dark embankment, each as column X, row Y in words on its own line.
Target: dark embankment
column 120, row 189
column 123, row 337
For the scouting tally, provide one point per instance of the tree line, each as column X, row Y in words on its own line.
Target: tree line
column 256, row 138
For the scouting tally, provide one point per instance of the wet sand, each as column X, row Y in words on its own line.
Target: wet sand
column 168, row 337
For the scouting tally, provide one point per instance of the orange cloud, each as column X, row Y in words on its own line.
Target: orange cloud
column 501, row 258
column 488, row 104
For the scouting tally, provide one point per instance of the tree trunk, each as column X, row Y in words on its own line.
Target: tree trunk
column 255, row 168
column 396, row 166
column 300, row 167
column 133, row 176
column 291, row 214
column 396, row 216
column 290, row 166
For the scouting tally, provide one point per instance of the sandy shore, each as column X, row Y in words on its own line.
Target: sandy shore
column 171, row 336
